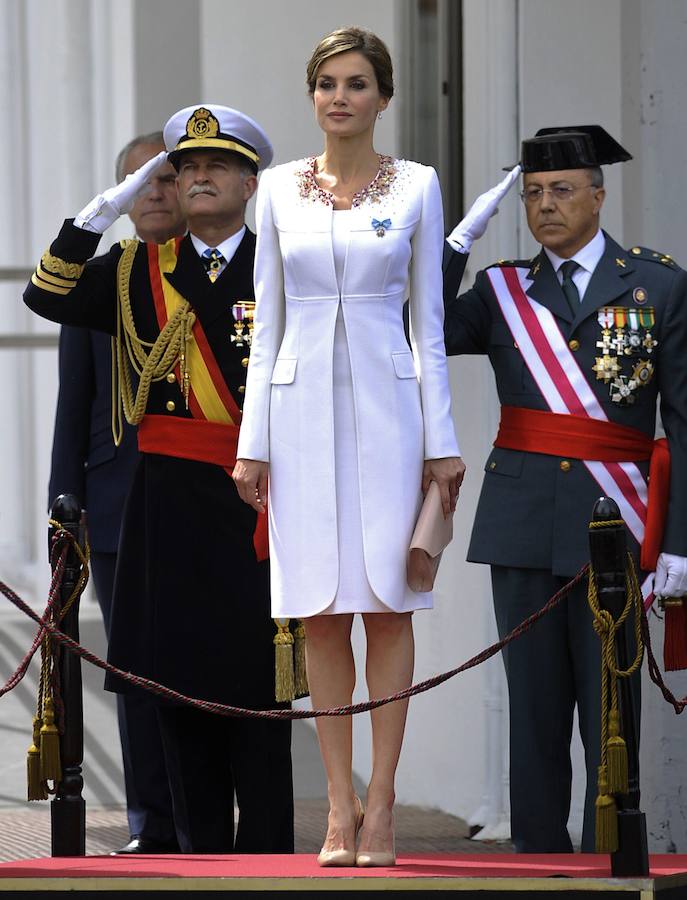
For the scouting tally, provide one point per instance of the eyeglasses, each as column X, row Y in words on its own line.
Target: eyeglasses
column 562, row 192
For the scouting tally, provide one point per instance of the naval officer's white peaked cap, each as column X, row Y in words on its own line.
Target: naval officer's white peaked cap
column 208, row 126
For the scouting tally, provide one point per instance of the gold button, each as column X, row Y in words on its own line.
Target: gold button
column 242, row 389
column 244, row 362
column 564, row 465
column 636, row 250
column 171, row 405
column 171, row 377
column 574, row 344
column 492, row 465
column 515, row 344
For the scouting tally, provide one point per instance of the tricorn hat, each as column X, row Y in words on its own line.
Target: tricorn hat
column 211, row 127
column 570, row 147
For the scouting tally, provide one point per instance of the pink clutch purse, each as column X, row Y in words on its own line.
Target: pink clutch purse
column 432, row 534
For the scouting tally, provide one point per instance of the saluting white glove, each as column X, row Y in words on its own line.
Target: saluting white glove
column 107, row 207
column 671, row 576
column 485, row 206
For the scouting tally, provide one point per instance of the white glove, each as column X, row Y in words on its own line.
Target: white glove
column 107, row 207
column 671, row 576
column 485, row 206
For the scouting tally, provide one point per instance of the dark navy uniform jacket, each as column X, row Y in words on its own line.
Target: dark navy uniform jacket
column 534, row 509
column 85, row 460
column 191, row 603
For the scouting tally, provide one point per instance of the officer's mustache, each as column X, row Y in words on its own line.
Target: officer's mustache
column 200, row 189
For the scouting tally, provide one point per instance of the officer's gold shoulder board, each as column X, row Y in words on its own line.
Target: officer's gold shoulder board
column 516, row 263
column 664, row 259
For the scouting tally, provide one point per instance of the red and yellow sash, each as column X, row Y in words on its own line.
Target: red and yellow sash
column 212, row 434
column 209, row 397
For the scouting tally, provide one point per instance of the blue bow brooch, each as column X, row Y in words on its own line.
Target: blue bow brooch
column 381, row 226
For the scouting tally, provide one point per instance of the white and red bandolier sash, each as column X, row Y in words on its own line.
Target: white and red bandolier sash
column 567, row 391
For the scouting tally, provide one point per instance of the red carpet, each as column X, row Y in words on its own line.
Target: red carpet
column 270, row 867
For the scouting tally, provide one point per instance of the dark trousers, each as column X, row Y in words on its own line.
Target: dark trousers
column 148, row 800
column 213, row 759
column 550, row 669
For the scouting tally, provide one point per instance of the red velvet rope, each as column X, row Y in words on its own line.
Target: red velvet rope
column 45, row 624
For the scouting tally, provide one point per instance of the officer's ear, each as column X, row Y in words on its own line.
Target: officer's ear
column 599, row 197
column 250, row 186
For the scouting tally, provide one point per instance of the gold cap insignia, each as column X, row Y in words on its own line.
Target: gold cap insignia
column 202, row 124
column 639, row 295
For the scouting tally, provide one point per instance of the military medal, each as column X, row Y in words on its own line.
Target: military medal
column 606, row 367
column 624, row 332
column 642, row 373
column 633, row 343
column 243, row 312
column 621, row 391
column 647, row 321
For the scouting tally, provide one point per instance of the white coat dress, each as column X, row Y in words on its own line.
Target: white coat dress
column 401, row 398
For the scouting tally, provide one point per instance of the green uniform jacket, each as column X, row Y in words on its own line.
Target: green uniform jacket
column 534, row 509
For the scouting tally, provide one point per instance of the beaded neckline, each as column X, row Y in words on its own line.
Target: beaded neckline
column 379, row 187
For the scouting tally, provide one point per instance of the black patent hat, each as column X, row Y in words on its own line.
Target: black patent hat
column 570, row 147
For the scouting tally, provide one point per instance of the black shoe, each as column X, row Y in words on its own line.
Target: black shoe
column 139, row 844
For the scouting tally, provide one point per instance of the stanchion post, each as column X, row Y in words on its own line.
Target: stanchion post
column 608, row 556
column 68, row 809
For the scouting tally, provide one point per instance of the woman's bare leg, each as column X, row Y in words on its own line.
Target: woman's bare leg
column 390, row 659
column 331, row 677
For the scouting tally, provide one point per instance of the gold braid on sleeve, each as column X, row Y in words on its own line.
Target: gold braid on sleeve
column 152, row 361
column 58, row 266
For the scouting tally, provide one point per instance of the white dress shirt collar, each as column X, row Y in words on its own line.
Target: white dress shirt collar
column 587, row 259
column 588, row 256
column 227, row 248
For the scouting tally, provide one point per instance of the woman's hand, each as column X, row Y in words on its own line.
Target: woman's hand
column 250, row 477
column 448, row 472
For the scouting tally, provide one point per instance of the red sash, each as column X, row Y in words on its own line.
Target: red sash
column 581, row 437
column 211, row 435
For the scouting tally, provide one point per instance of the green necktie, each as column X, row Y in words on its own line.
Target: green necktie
column 569, row 287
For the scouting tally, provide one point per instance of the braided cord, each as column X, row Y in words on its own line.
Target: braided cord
column 152, row 361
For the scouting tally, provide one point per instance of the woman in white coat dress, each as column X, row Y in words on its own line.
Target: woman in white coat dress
column 350, row 422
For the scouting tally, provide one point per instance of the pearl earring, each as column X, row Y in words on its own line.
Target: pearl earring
column 379, row 115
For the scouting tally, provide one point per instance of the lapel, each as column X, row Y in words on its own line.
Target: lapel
column 545, row 288
column 607, row 282
column 209, row 300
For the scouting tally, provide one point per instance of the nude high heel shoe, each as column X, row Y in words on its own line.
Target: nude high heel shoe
column 380, row 858
column 344, row 857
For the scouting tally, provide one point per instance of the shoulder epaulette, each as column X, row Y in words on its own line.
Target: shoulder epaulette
column 518, row 263
column 653, row 256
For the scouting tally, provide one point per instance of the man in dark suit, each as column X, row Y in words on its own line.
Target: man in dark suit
column 582, row 339
column 191, row 600
column 86, row 463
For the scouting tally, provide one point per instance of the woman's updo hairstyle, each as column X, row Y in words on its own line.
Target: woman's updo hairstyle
column 344, row 39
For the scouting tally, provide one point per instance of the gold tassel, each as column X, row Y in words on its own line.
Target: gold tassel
column 617, row 757
column 606, row 817
column 284, row 687
column 50, row 745
column 35, row 787
column 302, row 689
